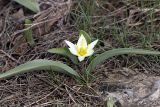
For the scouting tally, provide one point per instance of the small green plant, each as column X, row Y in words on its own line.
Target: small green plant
column 28, row 33
column 82, row 49
column 30, row 4
column 109, row 102
column 82, row 14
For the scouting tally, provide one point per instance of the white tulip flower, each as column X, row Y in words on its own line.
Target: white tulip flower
column 81, row 49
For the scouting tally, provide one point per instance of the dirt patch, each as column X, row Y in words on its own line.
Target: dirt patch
column 138, row 89
column 132, row 81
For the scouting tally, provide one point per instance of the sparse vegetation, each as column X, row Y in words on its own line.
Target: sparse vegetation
column 119, row 25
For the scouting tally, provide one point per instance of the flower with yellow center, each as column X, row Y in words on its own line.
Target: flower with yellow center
column 81, row 49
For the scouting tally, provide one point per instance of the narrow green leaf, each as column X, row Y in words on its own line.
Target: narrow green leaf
column 86, row 35
column 108, row 54
column 28, row 33
column 110, row 102
column 40, row 64
column 30, row 4
column 64, row 52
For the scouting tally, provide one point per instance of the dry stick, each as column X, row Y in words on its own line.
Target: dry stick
column 4, row 8
column 4, row 28
column 70, row 89
column 80, row 97
column 50, row 103
column 70, row 95
column 35, row 24
column 43, row 97
column 77, row 92
column 9, row 56
column 7, row 98
column 32, row 25
column 112, row 13
column 60, row 86
column 82, row 92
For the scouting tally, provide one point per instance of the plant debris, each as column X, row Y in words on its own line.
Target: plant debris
column 132, row 81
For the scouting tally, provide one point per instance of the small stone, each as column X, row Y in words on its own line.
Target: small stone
column 154, row 96
column 129, row 92
column 156, row 84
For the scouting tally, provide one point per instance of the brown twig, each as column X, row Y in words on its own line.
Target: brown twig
column 9, row 56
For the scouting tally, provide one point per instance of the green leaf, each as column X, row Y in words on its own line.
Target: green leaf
column 30, row 4
column 86, row 35
column 28, row 33
column 64, row 52
column 40, row 64
column 110, row 102
column 108, row 54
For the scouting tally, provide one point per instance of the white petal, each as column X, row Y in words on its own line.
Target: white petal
column 73, row 51
column 81, row 58
column 70, row 44
column 92, row 45
column 72, row 47
column 90, row 52
column 82, row 42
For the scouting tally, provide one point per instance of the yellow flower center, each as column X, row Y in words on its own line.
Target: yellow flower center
column 82, row 51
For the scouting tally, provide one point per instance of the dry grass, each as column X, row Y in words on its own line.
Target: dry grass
column 116, row 23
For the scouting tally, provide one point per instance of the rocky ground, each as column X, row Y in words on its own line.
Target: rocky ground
column 132, row 81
